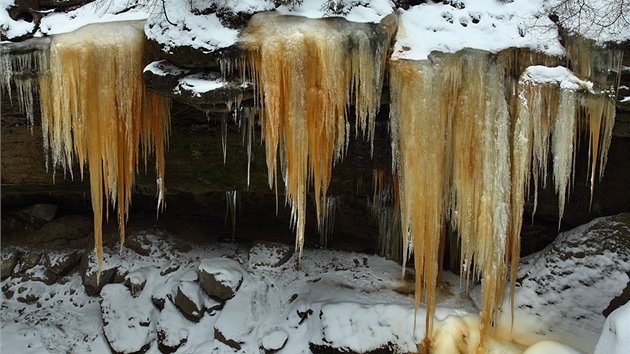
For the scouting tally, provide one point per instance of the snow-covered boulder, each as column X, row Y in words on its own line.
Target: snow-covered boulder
column 193, row 302
column 61, row 263
column 615, row 338
column 129, row 323
column 8, row 262
column 265, row 254
column 221, row 278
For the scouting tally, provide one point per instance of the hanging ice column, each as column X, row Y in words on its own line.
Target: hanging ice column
column 463, row 161
column 450, row 133
column 96, row 110
column 305, row 71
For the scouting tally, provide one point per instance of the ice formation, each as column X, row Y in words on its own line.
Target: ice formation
column 19, row 67
column 466, row 142
column 95, row 110
column 307, row 72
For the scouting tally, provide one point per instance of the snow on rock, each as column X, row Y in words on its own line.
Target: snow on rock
column 129, row 323
column 615, row 338
column 352, row 10
column 562, row 291
column 556, row 75
column 490, row 25
column 275, row 340
column 269, row 254
column 172, row 329
column 193, row 302
column 8, row 262
column 221, row 278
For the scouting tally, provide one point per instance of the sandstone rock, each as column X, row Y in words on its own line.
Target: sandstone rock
column 9, row 261
column 220, row 278
column 172, row 329
column 136, row 280
column 39, row 273
column 192, row 302
column 88, row 271
column 267, row 254
column 129, row 323
column 65, row 229
column 61, row 263
column 29, row 259
column 38, row 214
column 229, row 342
column 274, row 341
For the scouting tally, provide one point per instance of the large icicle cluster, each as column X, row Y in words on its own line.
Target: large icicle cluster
column 95, row 110
column 465, row 159
column 305, row 72
column 450, row 130
column 19, row 67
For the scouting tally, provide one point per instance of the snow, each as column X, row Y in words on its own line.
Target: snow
column 200, row 83
column 346, row 300
column 179, row 26
column 481, row 24
column 615, row 338
column 557, row 75
column 353, row 10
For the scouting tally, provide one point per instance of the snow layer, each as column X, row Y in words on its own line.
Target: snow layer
column 339, row 299
column 556, row 75
column 489, row 25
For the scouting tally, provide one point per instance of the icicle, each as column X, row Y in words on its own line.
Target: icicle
column 303, row 71
column 384, row 208
column 232, row 199
column 602, row 67
column 224, row 136
column 328, row 224
column 20, row 66
column 247, row 122
column 95, row 109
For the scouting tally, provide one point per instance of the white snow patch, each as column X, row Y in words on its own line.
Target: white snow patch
column 481, row 24
column 557, row 75
column 200, row 83
column 615, row 338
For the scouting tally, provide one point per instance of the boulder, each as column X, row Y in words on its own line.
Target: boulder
column 129, row 323
column 9, row 261
column 29, row 259
column 60, row 263
column 192, row 302
column 64, row 230
column 173, row 329
column 38, row 214
column 39, row 273
column 88, row 271
column 220, row 278
column 135, row 281
column 274, row 341
column 265, row 254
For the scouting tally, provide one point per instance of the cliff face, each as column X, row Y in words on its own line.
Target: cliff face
column 458, row 145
